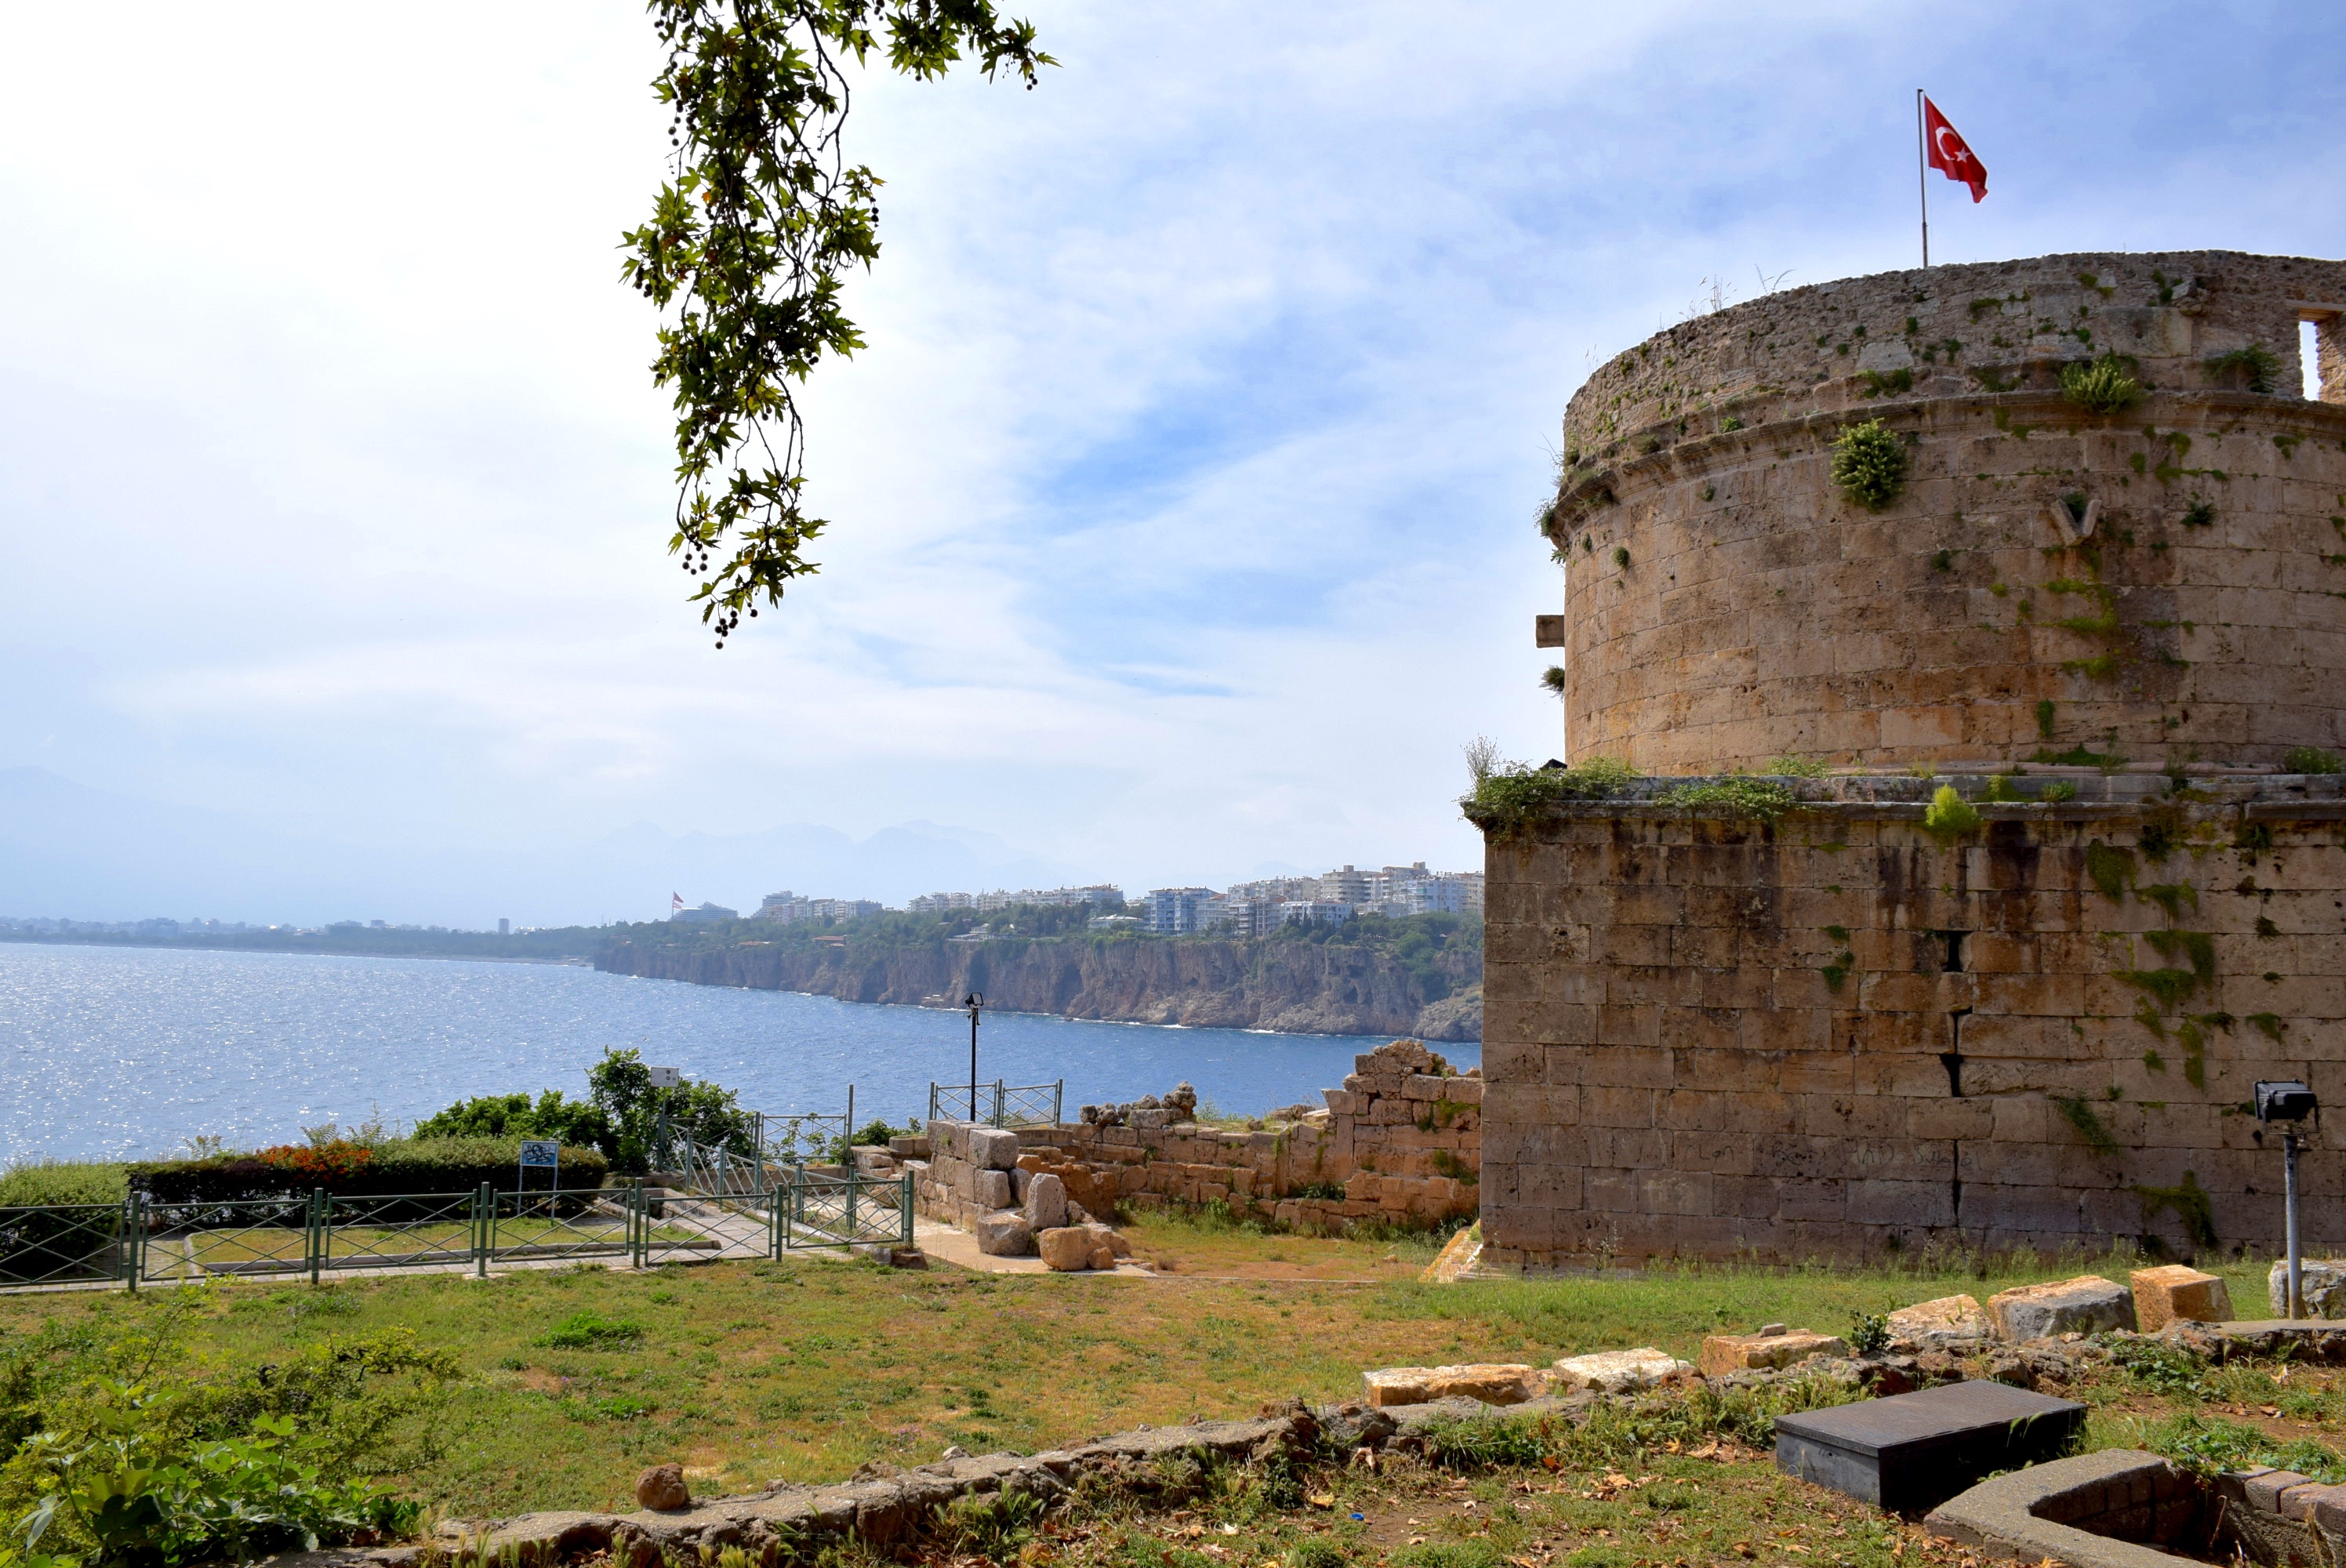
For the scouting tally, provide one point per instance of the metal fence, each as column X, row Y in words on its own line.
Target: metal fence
column 145, row 1241
column 997, row 1104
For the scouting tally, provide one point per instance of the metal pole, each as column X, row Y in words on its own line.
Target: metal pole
column 2289, row 1187
column 973, row 1056
column 317, row 1232
column 484, row 1227
column 130, row 1242
column 1921, row 178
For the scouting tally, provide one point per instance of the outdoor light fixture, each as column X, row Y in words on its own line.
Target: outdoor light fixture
column 2289, row 1101
column 975, row 1002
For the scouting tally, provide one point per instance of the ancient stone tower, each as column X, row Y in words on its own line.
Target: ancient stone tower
column 2097, row 587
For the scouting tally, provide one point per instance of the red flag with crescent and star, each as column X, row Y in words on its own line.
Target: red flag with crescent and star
column 1950, row 154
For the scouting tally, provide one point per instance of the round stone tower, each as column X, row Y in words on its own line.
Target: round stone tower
column 2160, row 575
column 2026, row 583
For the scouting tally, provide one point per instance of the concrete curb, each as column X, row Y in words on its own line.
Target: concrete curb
column 2032, row 1515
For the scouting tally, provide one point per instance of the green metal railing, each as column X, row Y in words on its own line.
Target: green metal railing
column 997, row 1104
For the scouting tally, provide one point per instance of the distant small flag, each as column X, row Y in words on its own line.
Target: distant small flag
column 1950, row 154
column 675, row 902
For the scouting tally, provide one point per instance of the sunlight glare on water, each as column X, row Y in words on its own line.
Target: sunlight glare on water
column 127, row 1052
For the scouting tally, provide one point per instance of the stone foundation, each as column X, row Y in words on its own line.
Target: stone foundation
column 1837, row 1033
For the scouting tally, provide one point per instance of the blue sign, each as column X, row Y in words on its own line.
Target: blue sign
column 540, row 1152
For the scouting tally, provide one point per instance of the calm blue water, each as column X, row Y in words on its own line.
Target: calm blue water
column 114, row 1052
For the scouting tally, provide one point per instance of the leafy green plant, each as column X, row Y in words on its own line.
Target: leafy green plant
column 1315, row 1551
column 589, row 1330
column 1880, row 384
column 1949, row 816
column 133, row 1496
column 1869, row 464
column 1621, row 556
column 2209, row 1446
column 992, row 1525
column 1552, row 679
column 1869, row 1333
column 1791, row 767
column 2105, row 385
column 2198, row 514
column 1736, row 796
column 2059, row 790
column 2308, row 760
column 43, row 1182
column 2255, row 366
column 2079, row 1113
column 748, row 245
column 1508, row 797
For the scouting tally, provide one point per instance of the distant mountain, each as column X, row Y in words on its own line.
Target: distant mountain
column 70, row 851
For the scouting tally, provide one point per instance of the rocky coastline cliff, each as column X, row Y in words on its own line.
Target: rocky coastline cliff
column 1292, row 987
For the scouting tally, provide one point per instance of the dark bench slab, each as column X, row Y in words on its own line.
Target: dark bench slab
column 1916, row 1450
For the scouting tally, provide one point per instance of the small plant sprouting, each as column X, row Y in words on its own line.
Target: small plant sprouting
column 2059, row 790
column 1944, row 561
column 2198, row 514
column 2090, row 1126
column 1879, row 383
column 2044, row 711
column 2106, row 385
column 1869, row 464
column 1730, row 423
column 1950, row 816
column 1869, row 1333
column 2308, row 760
column 1553, row 680
column 2255, row 366
column 1999, row 788
column 1791, row 767
column 1621, row 556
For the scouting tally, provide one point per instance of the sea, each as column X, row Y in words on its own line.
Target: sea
column 116, row 1053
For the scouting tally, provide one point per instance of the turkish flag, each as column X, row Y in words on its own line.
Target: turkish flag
column 1949, row 153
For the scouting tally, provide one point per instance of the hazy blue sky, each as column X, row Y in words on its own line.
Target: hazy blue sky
column 1183, row 497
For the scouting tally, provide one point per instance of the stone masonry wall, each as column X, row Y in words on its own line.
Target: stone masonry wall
column 1400, row 1142
column 1837, row 1033
column 1725, row 603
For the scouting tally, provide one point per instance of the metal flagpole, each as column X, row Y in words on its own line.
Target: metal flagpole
column 1921, row 178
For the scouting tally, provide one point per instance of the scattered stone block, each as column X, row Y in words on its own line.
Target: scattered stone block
column 1493, row 1383
column 1773, row 1349
column 2322, row 1284
column 1067, row 1249
column 1914, row 1451
column 2079, row 1306
column 1103, row 1259
column 2177, row 1293
column 1617, row 1371
column 1949, row 1322
column 1006, row 1233
column 994, row 1148
column 1047, row 1203
column 1110, row 1237
column 662, row 1488
column 991, row 1189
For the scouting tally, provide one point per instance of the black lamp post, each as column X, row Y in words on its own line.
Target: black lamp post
column 974, row 1001
column 2288, row 1103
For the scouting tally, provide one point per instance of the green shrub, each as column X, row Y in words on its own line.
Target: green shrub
column 1732, row 798
column 398, row 1167
column 992, row 1525
column 2256, row 366
column 34, row 1182
column 2106, row 385
column 1869, row 464
column 1509, row 798
column 1869, row 1333
column 2308, row 759
column 2208, row 1446
column 576, row 1122
column 1949, row 816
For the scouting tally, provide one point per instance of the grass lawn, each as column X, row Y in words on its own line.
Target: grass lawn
column 804, row 1369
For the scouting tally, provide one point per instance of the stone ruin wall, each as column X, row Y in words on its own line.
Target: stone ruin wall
column 1401, row 1144
column 1759, row 613
column 1834, row 1033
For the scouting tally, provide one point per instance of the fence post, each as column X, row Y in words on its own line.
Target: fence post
column 639, row 1224
column 130, row 1242
column 316, row 1237
column 904, row 1210
column 774, row 1223
column 485, row 1229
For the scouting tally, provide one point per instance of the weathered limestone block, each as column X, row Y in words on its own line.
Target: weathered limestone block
column 2177, row 1293
column 1110, row 1237
column 1021, row 1179
column 1006, row 1233
column 1493, row 1383
column 1766, row 1351
column 994, row 1148
column 1067, row 1249
column 1950, row 1322
column 1617, row 1371
column 1047, row 1203
column 2321, row 1285
column 992, row 1189
column 2079, row 1305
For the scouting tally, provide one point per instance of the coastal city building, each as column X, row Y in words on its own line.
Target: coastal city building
column 1174, row 912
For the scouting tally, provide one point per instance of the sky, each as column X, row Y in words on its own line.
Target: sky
column 1182, row 499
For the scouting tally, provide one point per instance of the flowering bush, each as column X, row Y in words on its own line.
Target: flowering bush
column 328, row 1164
